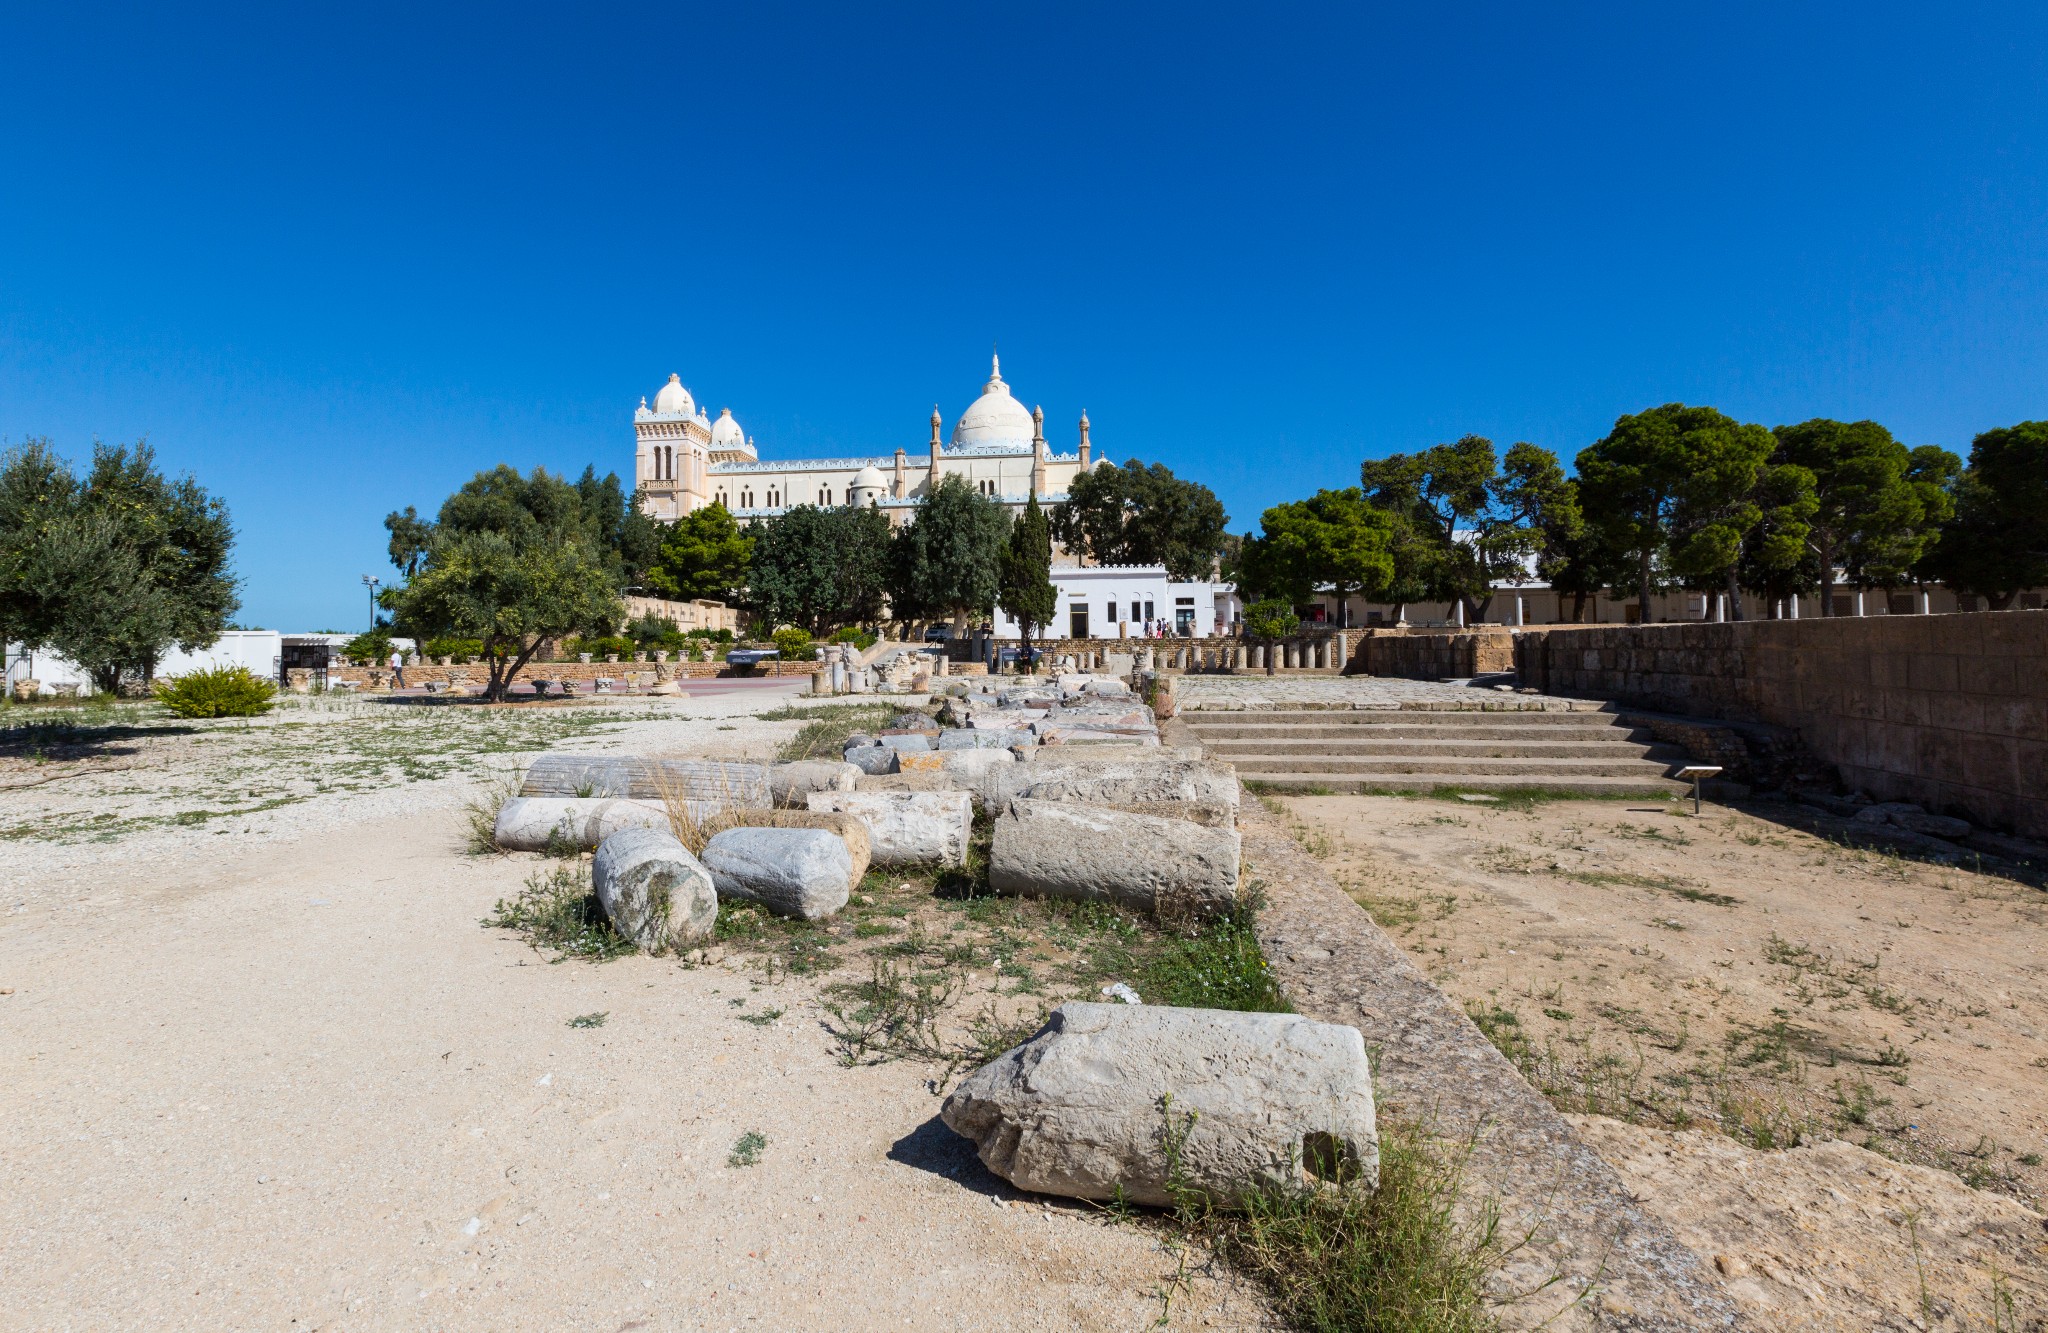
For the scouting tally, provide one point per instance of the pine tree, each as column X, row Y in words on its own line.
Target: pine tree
column 1024, row 588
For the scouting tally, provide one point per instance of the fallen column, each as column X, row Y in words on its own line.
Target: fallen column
column 1048, row 849
column 544, row 823
column 656, row 894
column 796, row 872
column 1257, row 1101
column 908, row 828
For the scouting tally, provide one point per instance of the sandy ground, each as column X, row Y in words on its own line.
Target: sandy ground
column 1761, row 987
column 287, row 1080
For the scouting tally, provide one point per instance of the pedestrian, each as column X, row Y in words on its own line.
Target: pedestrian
column 397, row 670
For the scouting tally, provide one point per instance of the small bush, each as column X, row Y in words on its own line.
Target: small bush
column 462, row 650
column 856, row 636
column 1270, row 618
column 600, row 646
column 715, row 635
column 794, row 644
column 218, row 692
column 656, row 634
column 370, row 649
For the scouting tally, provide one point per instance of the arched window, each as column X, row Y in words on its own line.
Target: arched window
column 774, row 497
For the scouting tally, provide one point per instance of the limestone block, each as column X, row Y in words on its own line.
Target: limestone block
column 975, row 738
column 908, row 828
column 789, row 783
column 1258, row 1100
column 1048, row 849
column 968, row 767
column 904, row 742
column 1117, row 781
column 696, row 780
column 796, row 872
column 539, row 823
column 656, row 894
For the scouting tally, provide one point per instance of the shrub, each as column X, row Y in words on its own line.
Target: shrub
column 656, row 633
column 856, row 636
column 715, row 635
column 1270, row 619
column 598, row 646
column 217, row 692
column 460, row 649
column 371, row 649
column 793, row 643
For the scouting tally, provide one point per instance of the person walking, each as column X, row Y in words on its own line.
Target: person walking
column 397, row 670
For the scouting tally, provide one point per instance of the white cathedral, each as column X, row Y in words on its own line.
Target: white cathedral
column 684, row 462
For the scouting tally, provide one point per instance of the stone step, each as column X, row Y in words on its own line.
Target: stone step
column 1398, row 765
column 1395, row 717
column 1306, row 777
column 1213, row 733
column 1615, row 748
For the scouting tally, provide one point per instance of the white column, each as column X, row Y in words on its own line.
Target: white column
column 1458, row 612
column 1926, row 603
column 1859, row 601
column 1720, row 607
column 1518, row 610
column 1795, row 606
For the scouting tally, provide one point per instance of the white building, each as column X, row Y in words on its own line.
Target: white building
column 1117, row 601
column 260, row 650
column 684, row 461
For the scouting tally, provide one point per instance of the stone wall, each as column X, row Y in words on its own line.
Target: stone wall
column 1433, row 654
column 1949, row 712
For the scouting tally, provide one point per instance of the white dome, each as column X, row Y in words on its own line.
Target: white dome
column 995, row 417
column 725, row 432
column 869, row 479
column 674, row 398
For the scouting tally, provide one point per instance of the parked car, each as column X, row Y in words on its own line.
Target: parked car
column 1009, row 656
column 938, row 634
column 746, row 657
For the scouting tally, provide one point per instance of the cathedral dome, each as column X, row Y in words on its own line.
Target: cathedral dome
column 869, row 479
column 726, row 433
column 995, row 418
column 674, row 399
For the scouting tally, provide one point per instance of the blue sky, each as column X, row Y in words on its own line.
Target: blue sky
column 333, row 260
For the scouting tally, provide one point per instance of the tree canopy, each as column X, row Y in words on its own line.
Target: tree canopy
column 1024, row 583
column 704, row 554
column 1672, row 490
column 949, row 557
column 112, row 569
column 815, row 568
column 1996, row 542
column 1875, row 507
column 1333, row 539
column 624, row 541
column 1462, row 521
column 512, row 562
column 1141, row 514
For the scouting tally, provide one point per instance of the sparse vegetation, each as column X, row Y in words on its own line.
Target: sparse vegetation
column 826, row 727
column 589, row 1020
column 747, row 1149
column 557, row 911
column 1391, row 1259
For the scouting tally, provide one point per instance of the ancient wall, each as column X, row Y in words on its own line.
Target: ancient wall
column 1949, row 712
column 1433, row 654
column 648, row 673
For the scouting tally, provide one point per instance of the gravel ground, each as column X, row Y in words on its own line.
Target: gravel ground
column 268, row 1070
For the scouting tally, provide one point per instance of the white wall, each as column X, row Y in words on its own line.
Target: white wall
column 1100, row 586
column 49, row 668
column 260, row 650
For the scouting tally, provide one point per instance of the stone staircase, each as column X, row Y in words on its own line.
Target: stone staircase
column 1421, row 749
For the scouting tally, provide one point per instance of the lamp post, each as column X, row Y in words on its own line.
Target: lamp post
column 370, row 581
